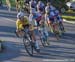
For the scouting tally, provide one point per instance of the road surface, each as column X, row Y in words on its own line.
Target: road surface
column 58, row 51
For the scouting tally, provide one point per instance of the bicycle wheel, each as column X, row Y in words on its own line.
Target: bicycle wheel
column 61, row 27
column 47, row 42
column 56, row 31
column 57, row 35
column 44, row 40
column 28, row 45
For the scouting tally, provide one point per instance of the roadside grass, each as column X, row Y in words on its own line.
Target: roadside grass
column 69, row 15
column 12, row 2
column 71, row 18
column 70, row 11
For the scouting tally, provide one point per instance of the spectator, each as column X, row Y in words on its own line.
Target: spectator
column 8, row 5
column 17, row 5
column 0, row 2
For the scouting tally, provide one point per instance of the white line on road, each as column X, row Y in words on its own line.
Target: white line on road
column 72, row 22
column 7, row 19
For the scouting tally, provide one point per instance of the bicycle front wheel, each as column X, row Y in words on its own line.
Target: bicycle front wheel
column 28, row 46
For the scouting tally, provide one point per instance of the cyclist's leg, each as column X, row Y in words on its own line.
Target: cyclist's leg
column 50, row 23
column 46, row 31
column 20, row 33
column 44, row 27
column 34, row 37
column 37, row 43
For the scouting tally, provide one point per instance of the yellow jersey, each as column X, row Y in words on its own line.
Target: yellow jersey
column 19, row 24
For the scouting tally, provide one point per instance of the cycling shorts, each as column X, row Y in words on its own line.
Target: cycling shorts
column 38, row 20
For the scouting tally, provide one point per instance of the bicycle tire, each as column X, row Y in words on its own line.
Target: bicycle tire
column 16, row 34
column 30, row 49
column 44, row 40
column 56, row 33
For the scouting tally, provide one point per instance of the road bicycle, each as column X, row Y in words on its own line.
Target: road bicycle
column 54, row 27
column 27, row 41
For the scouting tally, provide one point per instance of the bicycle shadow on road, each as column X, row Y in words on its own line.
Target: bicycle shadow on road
column 7, row 29
column 16, row 49
column 12, row 50
column 68, row 38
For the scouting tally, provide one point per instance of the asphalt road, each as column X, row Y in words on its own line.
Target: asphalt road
column 58, row 51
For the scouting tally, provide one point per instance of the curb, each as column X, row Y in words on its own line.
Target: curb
column 0, row 46
column 72, row 22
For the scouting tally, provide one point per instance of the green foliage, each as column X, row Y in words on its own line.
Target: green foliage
column 13, row 2
column 57, row 3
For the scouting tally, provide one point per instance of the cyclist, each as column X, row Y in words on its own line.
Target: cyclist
column 50, row 15
column 17, row 5
column 32, row 4
column 37, row 17
column 33, row 16
column 8, row 5
column 21, row 23
column 60, row 19
column 1, row 3
column 40, row 6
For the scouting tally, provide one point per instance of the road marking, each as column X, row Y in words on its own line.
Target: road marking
column 8, row 19
column 72, row 22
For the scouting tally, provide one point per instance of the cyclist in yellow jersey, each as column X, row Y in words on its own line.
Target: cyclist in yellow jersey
column 21, row 23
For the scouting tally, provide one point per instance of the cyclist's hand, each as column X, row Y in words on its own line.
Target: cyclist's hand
column 41, row 22
column 48, row 22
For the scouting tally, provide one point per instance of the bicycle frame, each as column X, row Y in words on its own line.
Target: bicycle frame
column 43, row 36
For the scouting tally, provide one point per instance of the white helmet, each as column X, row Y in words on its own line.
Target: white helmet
column 20, row 14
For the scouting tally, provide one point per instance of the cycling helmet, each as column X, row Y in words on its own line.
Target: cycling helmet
column 20, row 15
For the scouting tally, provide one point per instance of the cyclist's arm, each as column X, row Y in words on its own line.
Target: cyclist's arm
column 46, row 10
column 19, row 26
column 30, row 17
